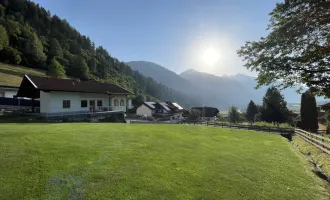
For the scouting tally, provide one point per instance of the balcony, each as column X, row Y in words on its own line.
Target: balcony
column 118, row 108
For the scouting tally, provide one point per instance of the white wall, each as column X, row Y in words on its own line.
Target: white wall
column 8, row 94
column 178, row 115
column 144, row 111
column 52, row 102
column 44, row 102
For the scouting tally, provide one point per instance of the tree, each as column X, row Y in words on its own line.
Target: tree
column 297, row 49
column 2, row 11
column 194, row 115
column 79, row 68
column 10, row 55
column 308, row 112
column 138, row 100
column 233, row 115
column 4, row 41
column 34, row 48
column 251, row 111
column 55, row 49
column 274, row 107
column 55, row 69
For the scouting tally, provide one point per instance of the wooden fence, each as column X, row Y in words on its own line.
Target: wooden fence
column 251, row 127
column 319, row 141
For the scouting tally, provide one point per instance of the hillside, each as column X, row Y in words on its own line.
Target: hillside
column 12, row 75
column 222, row 87
column 161, row 74
column 177, row 82
column 222, row 92
column 32, row 37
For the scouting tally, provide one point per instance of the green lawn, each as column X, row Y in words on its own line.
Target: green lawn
column 125, row 161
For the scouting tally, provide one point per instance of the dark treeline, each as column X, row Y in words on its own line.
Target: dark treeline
column 31, row 36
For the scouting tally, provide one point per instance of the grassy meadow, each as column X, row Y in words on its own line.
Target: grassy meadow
column 126, row 161
column 12, row 75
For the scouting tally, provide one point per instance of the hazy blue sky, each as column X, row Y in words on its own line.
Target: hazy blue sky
column 172, row 33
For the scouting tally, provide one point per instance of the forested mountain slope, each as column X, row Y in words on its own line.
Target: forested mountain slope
column 30, row 36
column 175, row 81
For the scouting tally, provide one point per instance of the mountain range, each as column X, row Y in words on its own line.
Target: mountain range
column 212, row 90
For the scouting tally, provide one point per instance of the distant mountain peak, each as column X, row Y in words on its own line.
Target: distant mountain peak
column 191, row 70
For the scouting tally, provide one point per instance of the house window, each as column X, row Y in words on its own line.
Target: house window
column 66, row 103
column 84, row 103
column 99, row 103
column 115, row 102
column 122, row 102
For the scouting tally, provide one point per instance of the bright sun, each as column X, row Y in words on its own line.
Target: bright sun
column 211, row 56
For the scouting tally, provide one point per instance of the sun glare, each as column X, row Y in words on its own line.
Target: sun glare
column 210, row 56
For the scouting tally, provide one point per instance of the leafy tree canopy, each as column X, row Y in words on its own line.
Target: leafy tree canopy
column 297, row 49
column 4, row 41
column 55, row 69
column 233, row 115
column 55, row 49
column 274, row 107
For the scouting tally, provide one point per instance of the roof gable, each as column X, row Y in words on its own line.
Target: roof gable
column 150, row 105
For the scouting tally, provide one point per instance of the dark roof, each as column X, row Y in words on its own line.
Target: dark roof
column 163, row 105
column 175, row 107
column 168, row 106
column 150, row 105
column 207, row 111
column 69, row 85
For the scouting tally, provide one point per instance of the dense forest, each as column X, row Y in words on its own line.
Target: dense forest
column 32, row 37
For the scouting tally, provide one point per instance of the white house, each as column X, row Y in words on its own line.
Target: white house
column 66, row 95
column 146, row 109
column 8, row 91
column 161, row 109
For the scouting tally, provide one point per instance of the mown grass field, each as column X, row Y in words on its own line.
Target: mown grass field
column 12, row 75
column 125, row 161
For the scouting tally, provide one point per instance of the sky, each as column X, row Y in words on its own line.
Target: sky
column 177, row 34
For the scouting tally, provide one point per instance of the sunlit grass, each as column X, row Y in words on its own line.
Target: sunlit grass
column 125, row 161
column 12, row 75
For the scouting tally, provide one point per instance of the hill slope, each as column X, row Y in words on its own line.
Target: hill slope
column 177, row 82
column 161, row 74
column 12, row 75
column 221, row 87
column 35, row 38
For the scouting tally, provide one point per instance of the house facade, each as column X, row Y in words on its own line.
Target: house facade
column 8, row 91
column 147, row 109
column 66, row 95
column 161, row 109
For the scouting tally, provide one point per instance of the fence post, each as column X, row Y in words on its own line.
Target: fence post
column 230, row 125
column 269, row 129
